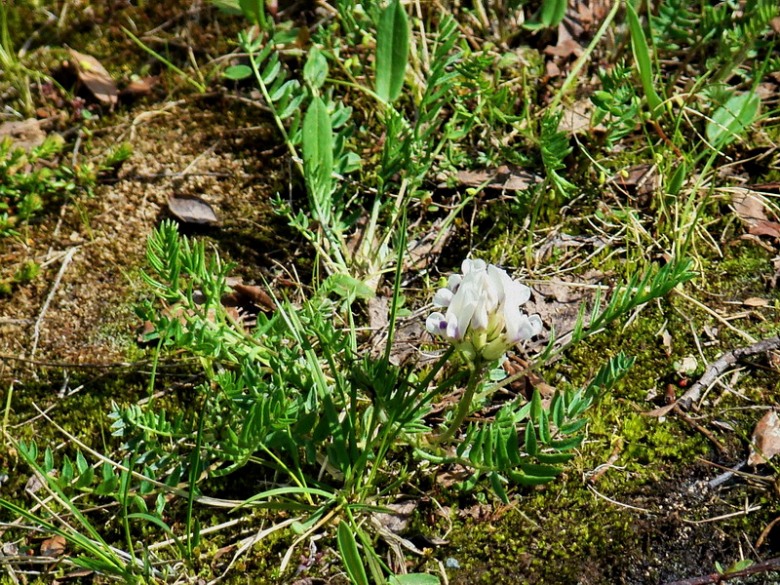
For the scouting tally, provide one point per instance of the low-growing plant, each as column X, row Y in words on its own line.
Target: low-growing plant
column 30, row 180
column 337, row 428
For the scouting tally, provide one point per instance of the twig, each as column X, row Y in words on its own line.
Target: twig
column 37, row 327
column 765, row 532
column 726, row 475
column 765, row 567
column 610, row 463
column 616, row 503
column 722, row 364
column 744, row 512
column 714, row 371
column 704, row 431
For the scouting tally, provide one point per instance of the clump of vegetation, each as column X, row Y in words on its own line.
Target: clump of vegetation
column 311, row 419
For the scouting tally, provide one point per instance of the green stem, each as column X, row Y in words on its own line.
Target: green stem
column 464, row 408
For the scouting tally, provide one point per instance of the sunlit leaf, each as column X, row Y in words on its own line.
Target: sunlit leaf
column 238, row 72
column 318, row 157
column 733, row 118
column 392, row 51
column 350, row 555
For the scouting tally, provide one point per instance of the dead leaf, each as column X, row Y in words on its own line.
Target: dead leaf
column 246, row 293
column 33, row 485
column 378, row 308
column 755, row 302
column 552, row 70
column 452, row 476
column 53, row 547
column 424, row 251
column 749, row 206
column 765, row 228
column 140, row 87
column 639, row 180
column 576, row 118
column 95, row 78
column 565, row 48
column 504, row 178
column 24, row 134
column 192, row 210
column 765, row 443
column 398, row 516
column 666, row 341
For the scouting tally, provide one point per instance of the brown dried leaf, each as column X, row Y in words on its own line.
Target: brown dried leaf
column 638, row 180
column 138, row 88
column 95, row 78
column 504, row 178
column 24, row 134
column 398, row 517
column 192, row 210
column 766, row 439
column 255, row 295
column 424, row 251
column 755, row 302
column 552, row 70
column 453, row 475
column 576, row 118
column 378, row 308
column 53, row 547
column 749, row 206
column 765, row 228
column 565, row 48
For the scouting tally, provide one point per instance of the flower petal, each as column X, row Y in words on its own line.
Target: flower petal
column 443, row 297
column 464, row 303
column 527, row 327
column 434, row 323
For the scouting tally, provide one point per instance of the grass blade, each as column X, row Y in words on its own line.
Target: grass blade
column 642, row 58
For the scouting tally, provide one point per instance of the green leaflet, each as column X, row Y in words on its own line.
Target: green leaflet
column 318, row 158
column 553, row 12
column 642, row 58
column 392, row 51
column 350, row 555
column 732, row 118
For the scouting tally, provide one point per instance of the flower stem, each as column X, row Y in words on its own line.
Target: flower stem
column 464, row 408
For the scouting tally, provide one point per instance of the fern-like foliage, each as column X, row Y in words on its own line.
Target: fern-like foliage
column 525, row 445
column 287, row 99
column 735, row 36
column 674, row 25
column 618, row 107
column 555, row 148
column 640, row 289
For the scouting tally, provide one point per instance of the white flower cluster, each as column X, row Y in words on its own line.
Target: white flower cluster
column 483, row 317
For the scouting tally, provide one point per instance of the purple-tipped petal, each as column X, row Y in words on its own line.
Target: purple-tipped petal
column 435, row 323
